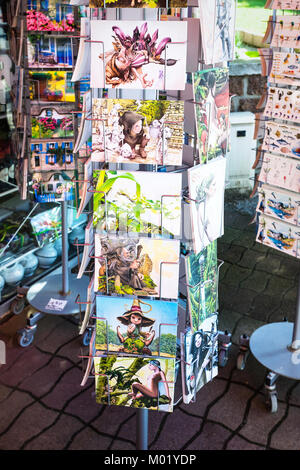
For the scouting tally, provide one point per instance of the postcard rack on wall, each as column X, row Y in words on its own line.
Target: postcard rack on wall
column 277, row 164
column 155, row 126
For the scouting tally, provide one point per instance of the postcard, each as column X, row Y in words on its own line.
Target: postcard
column 282, row 138
column 50, row 156
column 283, row 205
column 280, row 171
column 47, row 51
column 53, row 186
column 136, row 326
column 202, row 284
column 206, row 194
column 138, row 55
column 134, row 131
column 200, row 354
column 137, row 266
column 85, row 127
column 285, row 68
column 138, row 4
column 83, row 62
column 283, row 103
column 212, row 107
column 51, row 123
column 138, row 202
column 283, row 4
column 286, row 32
column 217, row 19
column 279, row 235
column 141, row 382
column 48, row 15
column 50, row 86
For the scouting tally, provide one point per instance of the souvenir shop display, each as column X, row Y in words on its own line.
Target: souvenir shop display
column 127, row 121
column 277, row 183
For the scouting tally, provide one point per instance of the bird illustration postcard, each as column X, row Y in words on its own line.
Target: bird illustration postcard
column 141, row 382
column 138, row 54
column 137, row 266
column 211, row 92
column 202, row 284
column 279, row 235
column 138, row 202
column 136, row 326
column 134, row 131
column 206, row 193
column 278, row 203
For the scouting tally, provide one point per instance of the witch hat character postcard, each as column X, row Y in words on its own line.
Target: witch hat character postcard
column 136, row 326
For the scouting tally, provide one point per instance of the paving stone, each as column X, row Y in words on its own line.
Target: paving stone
column 230, row 409
column 33, row 419
column 295, row 396
column 68, row 386
column 212, row 437
column 269, row 264
column 277, row 285
column 246, row 240
column 226, row 295
column 57, row 436
column 11, row 407
column 84, row 405
column 261, row 248
column 62, row 333
column 228, row 320
column 4, row 392
column 286, row 310
column 246, row 326
column 264, row 306
column 253, row 375
column 237, row 443
column 206, row 396
column 290, row 429
column 260, row 418
column 223, row 270
column 222, row 248
column 112, row 417
column 291, row 294
column 231, row 234
column 256, row 282
column 289, row 269
column 87, row 439
column 250, row 258
column 242, row 301
column 235, row 275
column 234, row 255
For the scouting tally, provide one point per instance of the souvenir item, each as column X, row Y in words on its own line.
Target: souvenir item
column 217, row 18
column 282, row 138
column 50, row 86
column 138, row 202
column 137, row 54
column 53, row 186
column 283, row 205
column 286, row 32
column 47, row 51
column 211, row 92
column 285, row 68
column 283, row 103
column 58, row 246
column 29, row 263
column 134, row 131
column 202, row 284
column 283, row 4
column 48, row 15
column 2, row 284
column 136, row 326
column 280, row 171
column 83, row 62
column 46, row 255
column 141, row 382
column 77, row 235
column 46, row 225
column 200, row 352
column 279, row 235
column 51, row 123
column 50, row 156
column 206, row 193
column 137, row 266
column 138, row 4
column 13, row 274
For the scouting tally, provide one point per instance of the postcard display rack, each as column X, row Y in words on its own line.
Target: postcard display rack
column 152, row 121
column 45, row 105
column 277, row 345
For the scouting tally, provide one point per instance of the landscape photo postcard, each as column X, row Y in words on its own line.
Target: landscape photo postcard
column 137, row 266
column 138, row 54
column 206, row 192
column 135, row 326
column 135, row 131
column 51, row 86
column 49, row 15
column 217, row 19
column 279, row 235
column 283, row 205
column 47, row 51
column 141, row 382
column 202, row 284
column 211, row 93
column 200, row 358
column 280, row 171
column 51, row 123
column 138, row 202
column 282, row 138
column 138, row 3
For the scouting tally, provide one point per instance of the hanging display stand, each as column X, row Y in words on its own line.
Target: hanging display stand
column 55, row 294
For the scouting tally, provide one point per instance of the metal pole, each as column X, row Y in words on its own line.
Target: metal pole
column 64, row 257
column 296, row 331
column 142, row 429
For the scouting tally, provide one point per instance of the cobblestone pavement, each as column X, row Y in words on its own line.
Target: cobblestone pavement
column 43, row 406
